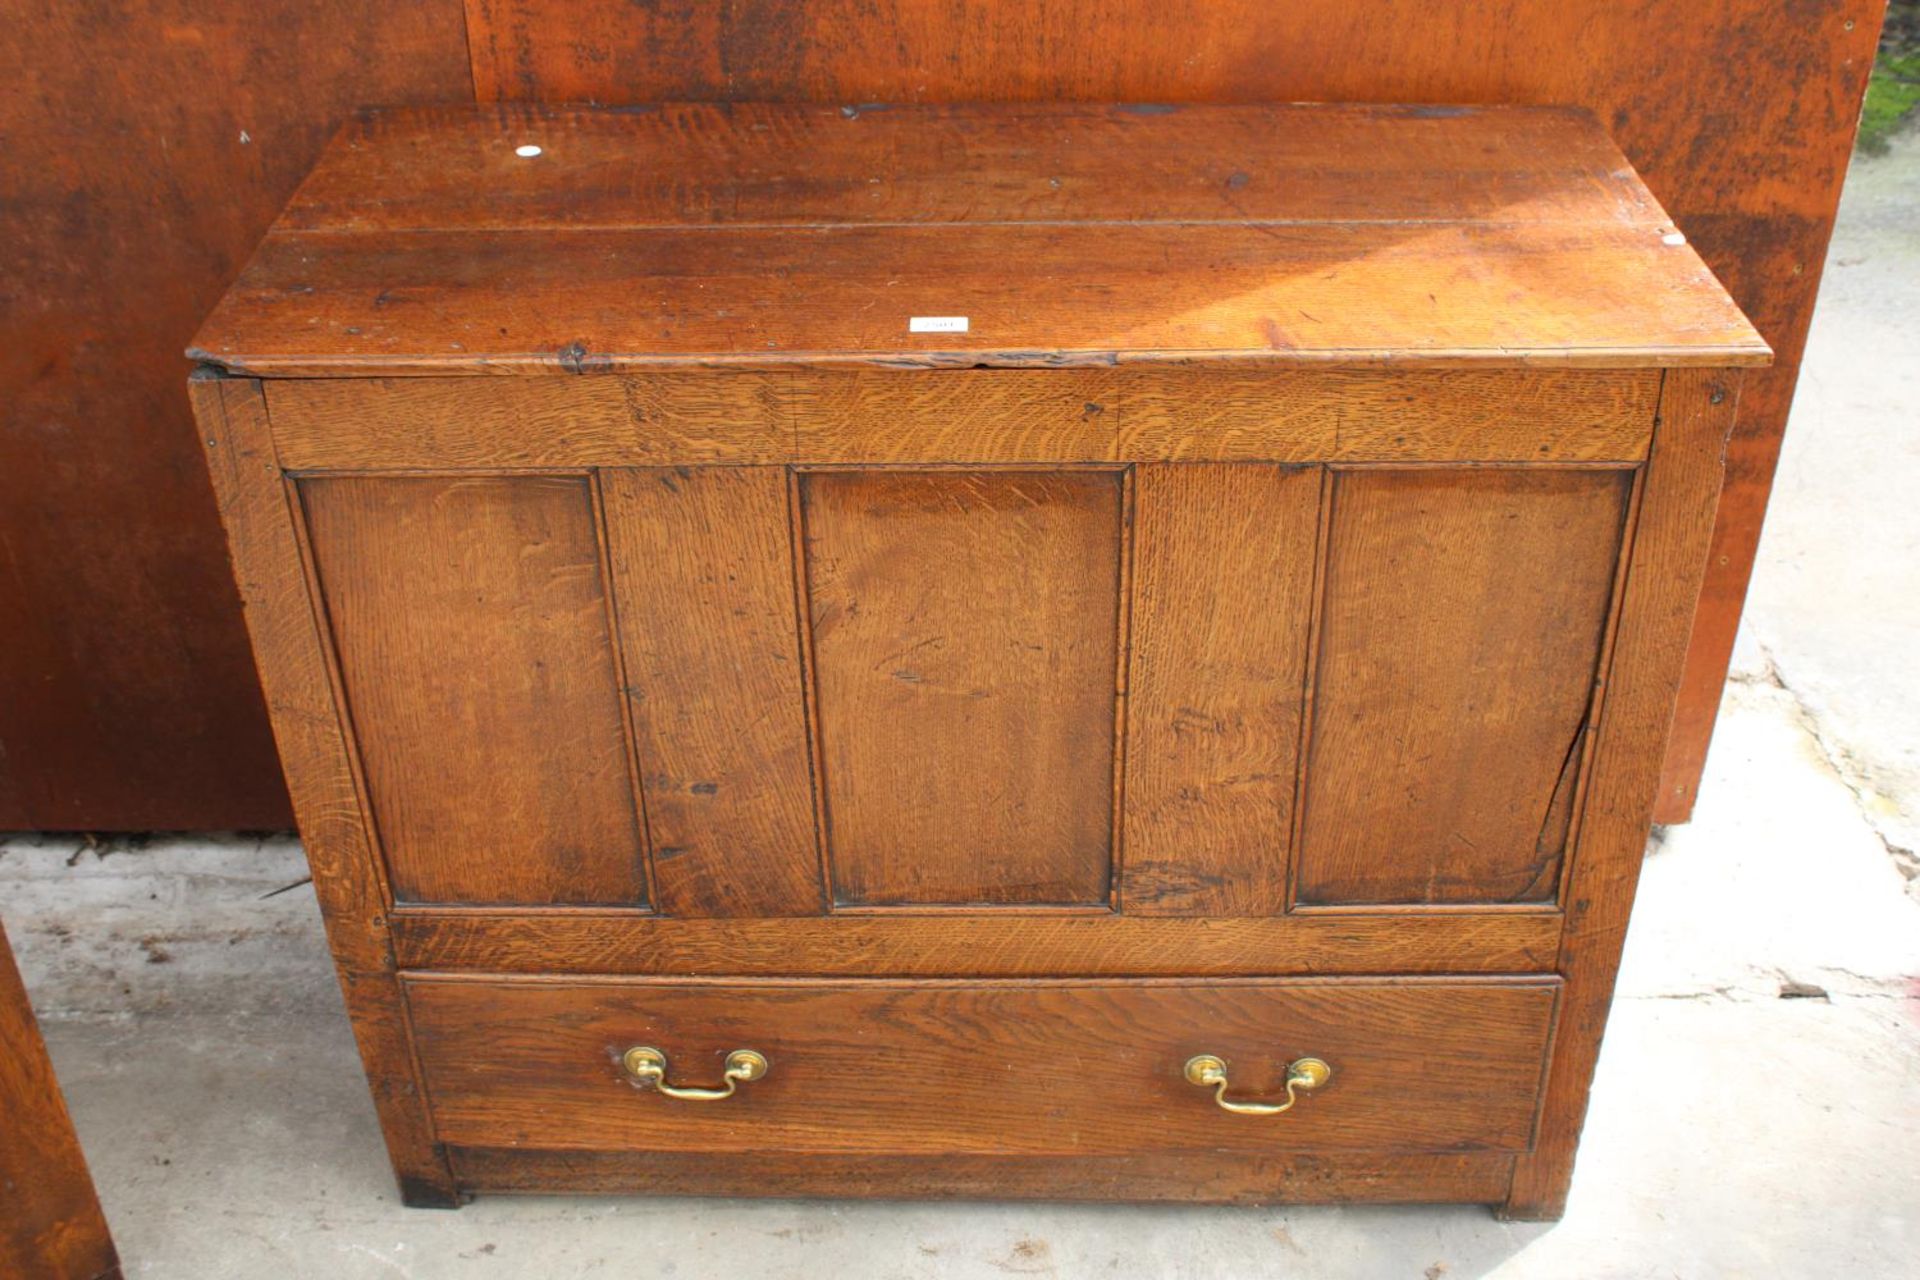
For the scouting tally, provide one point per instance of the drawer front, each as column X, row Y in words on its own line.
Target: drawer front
column 1014, row 1068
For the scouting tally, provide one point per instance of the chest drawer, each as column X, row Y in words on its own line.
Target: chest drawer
column 989, row 1068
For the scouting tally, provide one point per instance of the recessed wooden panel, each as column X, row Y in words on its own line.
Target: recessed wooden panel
column 1462, row 624
column 703, row 572
column 471, row 627
column 964, row 627
column 1223, row 586
column 949, row 1068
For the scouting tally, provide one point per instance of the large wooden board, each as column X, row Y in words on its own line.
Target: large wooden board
column 1061, row 235
column 148, row 144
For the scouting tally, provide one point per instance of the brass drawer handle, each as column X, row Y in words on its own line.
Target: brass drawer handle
column 647, row 1066
column 1303, row 1074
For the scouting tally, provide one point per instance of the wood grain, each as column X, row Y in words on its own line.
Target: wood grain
column 128, row 699
column 991, row 415
column 131, row 200
column 767, row 162
column 52, row 1228
column 964, row 646
column 1249, row 1178
column 703, row 571
column 1672, row 533
column 1036, row 294
column 470, row 621
column 348, row 879
column 998, row 942
column 936, row 1068
column 1459, row 641
column 1008, row 416
column 660, row 419
column 1223, row 584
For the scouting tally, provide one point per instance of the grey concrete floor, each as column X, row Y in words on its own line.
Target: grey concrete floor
column 1734, row 1131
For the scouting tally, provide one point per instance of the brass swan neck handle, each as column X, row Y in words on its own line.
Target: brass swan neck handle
column 1304, row 1075
column 647, row 1067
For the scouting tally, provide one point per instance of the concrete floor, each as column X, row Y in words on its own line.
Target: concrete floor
column 1757, row 1111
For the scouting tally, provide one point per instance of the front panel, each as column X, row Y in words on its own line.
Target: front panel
column 1202, row 690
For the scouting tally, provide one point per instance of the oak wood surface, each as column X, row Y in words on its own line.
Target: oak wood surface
column 256, row 506
column 995, row 943
column 51, row 1227
column 1461, row 628
column 969, row 1068
column 770, row 263
column 1223, row 581
column 964, row 643
column 999, row 416
column 1249, row 1178
column 1673, row 530
column 763, row 162
column 703, row 573
column 1035, row 295
column 470, row 619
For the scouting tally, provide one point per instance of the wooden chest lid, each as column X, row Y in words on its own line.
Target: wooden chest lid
column 532, row 239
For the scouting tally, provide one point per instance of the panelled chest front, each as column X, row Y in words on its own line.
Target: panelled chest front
column 1074, row 651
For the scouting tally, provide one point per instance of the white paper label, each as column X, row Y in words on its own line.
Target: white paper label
column 936, row 324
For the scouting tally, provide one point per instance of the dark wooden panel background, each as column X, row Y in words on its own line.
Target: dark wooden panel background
column 144, row 146
column 129, row 196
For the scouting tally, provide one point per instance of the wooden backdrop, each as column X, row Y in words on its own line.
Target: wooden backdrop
column 145, row 145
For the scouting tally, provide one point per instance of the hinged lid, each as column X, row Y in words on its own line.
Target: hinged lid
column 535, row 239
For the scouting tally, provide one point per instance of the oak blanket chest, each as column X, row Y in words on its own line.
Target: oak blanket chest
column 1053, row 651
